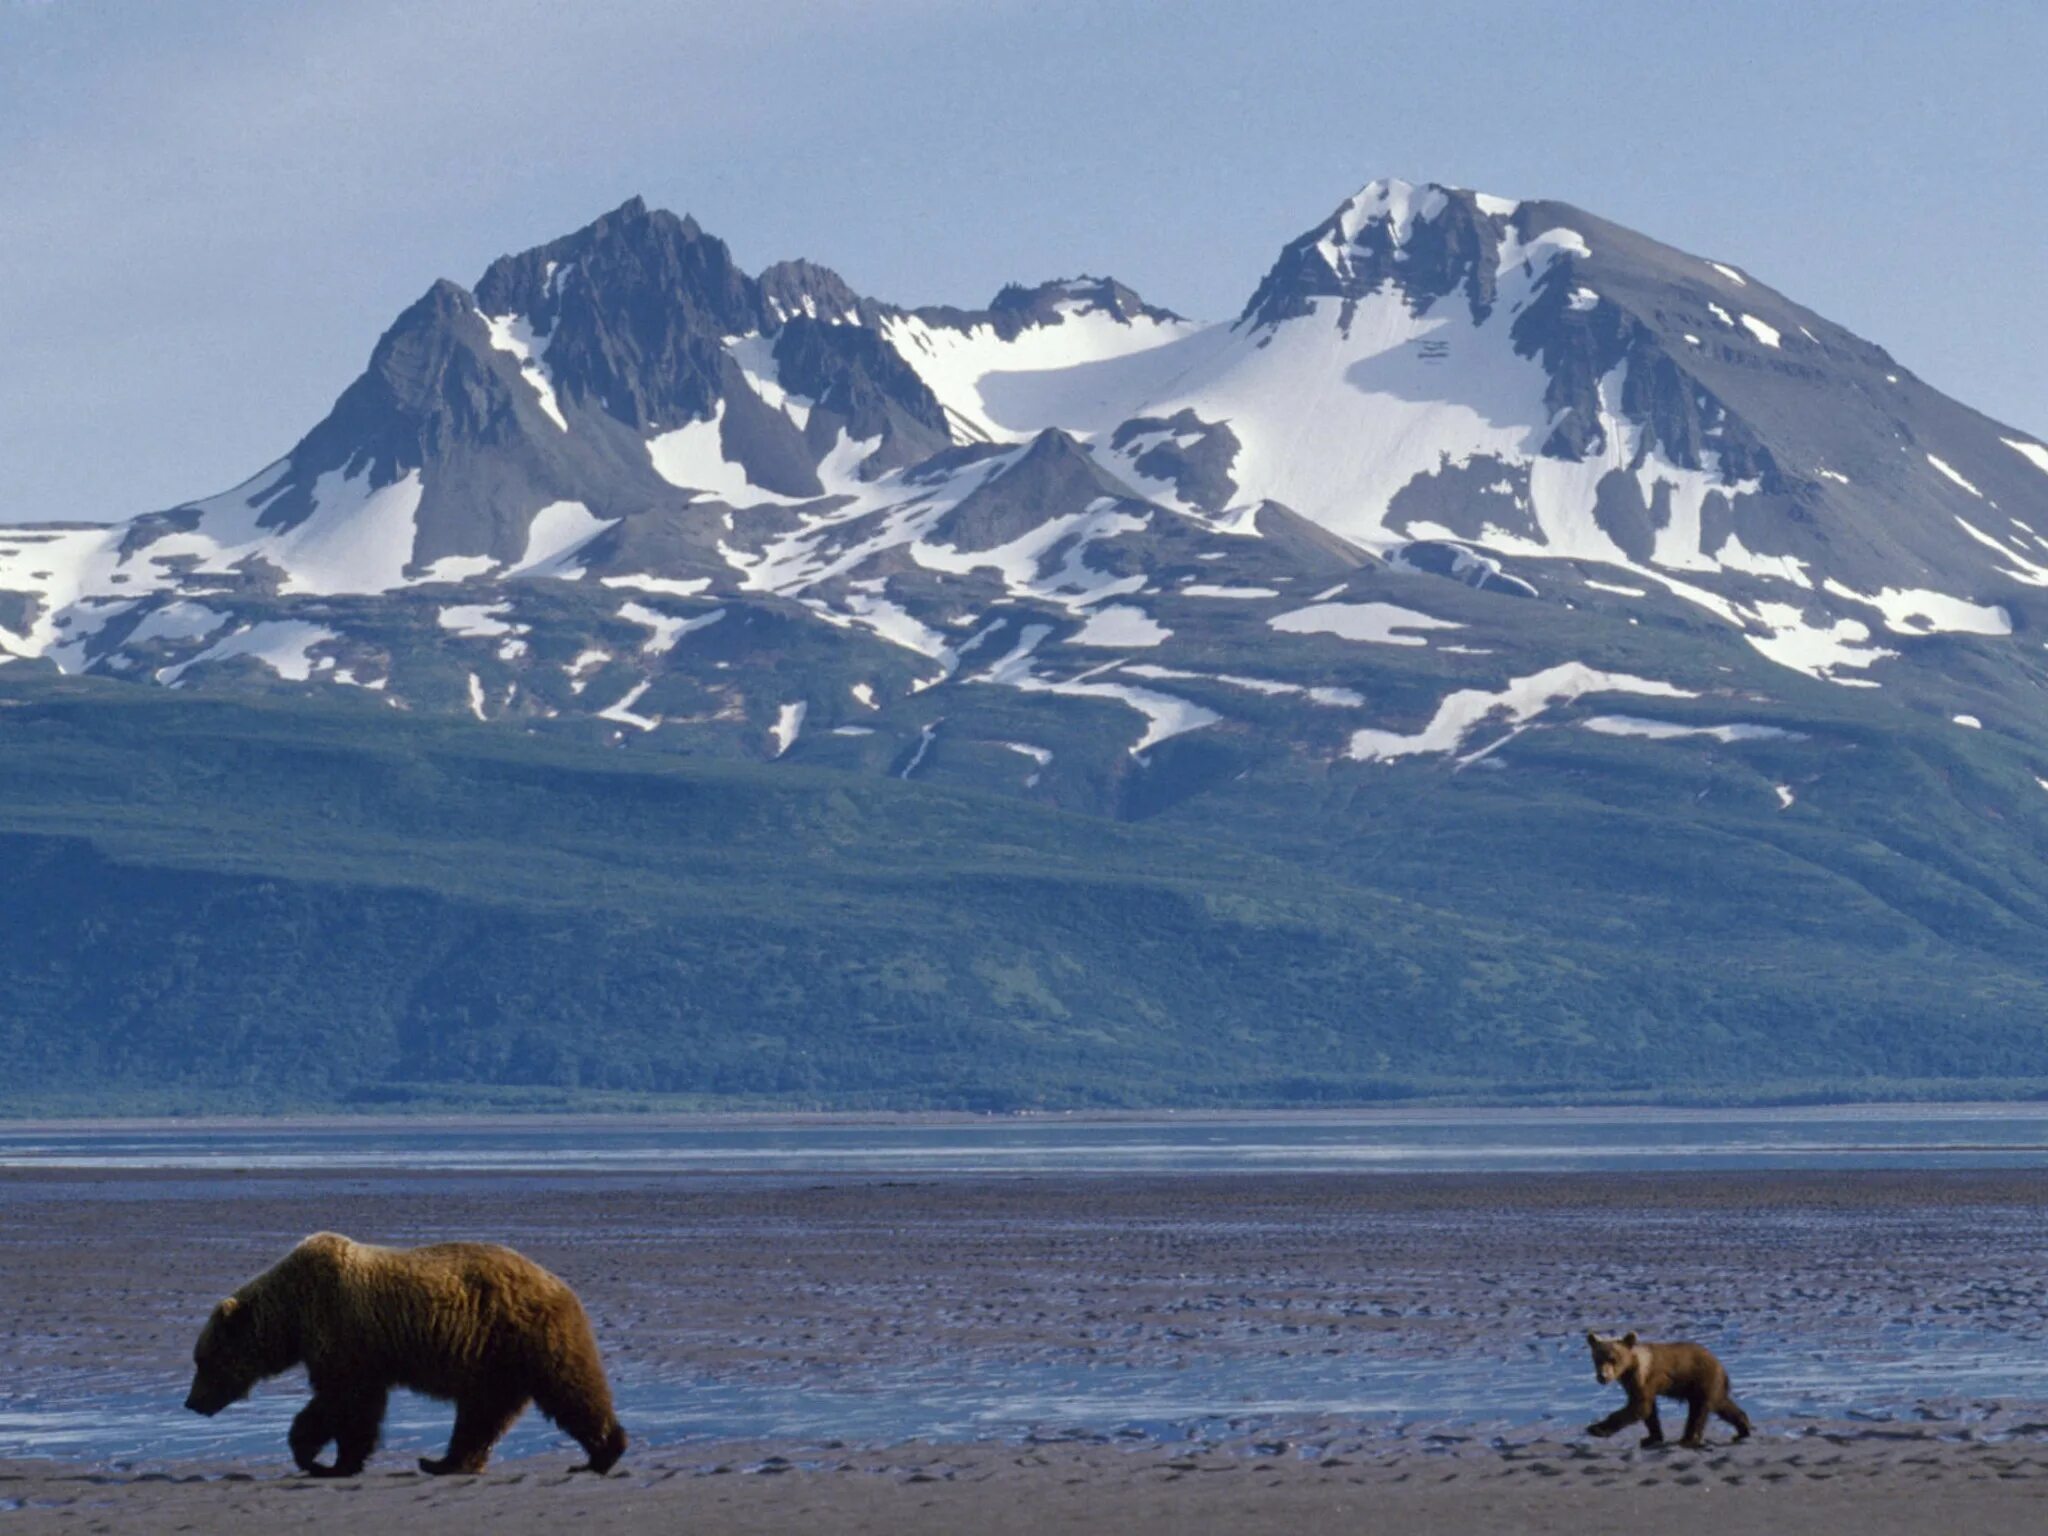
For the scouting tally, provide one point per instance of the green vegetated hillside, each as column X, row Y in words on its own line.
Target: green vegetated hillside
column 238, row 902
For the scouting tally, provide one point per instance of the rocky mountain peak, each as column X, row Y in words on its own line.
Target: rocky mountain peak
column 1426, row 241
column 793, row 288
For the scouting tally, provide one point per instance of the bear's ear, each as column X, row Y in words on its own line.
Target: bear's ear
column 229, row 1310
column 1628, row 1339
column 1592, row 1337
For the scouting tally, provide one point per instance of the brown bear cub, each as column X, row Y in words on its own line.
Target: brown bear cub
column 1649, row 1371
column 471, row 1322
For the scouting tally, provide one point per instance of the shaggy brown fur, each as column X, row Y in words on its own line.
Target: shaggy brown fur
column 471, row 1322
column 1649, row 1371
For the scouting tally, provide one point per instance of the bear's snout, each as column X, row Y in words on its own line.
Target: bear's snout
column 208, row 1405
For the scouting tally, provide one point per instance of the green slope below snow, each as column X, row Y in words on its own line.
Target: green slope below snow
column 220, row 903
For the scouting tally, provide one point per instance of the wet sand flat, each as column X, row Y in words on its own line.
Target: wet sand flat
column 1187, row 1353
column 1770, row 1488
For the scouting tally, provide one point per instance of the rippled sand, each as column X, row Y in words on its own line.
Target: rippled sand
column 1188, row 1353
column 1818, row 1484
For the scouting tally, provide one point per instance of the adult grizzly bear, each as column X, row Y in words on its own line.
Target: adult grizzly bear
column 473, row 1322
column 1647, row 1372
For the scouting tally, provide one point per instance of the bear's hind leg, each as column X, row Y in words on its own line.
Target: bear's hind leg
column 590, row 1422
column 1734, row 1417
column 479, row 1424
column 605, row 1452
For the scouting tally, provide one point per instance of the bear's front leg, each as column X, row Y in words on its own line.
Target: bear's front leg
column 1653, row 1427
column 1695, row 1424
column 1628, row 1413
column 310, row 1432
column 358, row 1418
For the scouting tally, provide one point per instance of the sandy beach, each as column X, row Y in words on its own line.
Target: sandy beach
column 1226, row 1353
column 1822, row 1484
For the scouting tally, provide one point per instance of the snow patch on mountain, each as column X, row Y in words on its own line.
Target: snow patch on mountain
column 514, row 334
column 623, row 711
column 1767, row 334
column 587, row 662
column 1021, row 562
column 665, row 628
column 1374, row 623
column 692, row 457
column 479, row 620
column 1329, row 698
column 2024, row 568
column 283, row 645
column 926, row 735
column 894, row 623
column 1820, row 650
column 357, row 539
column 1241, row 594
column 789, row 724
column 1950, row 472
column 1910, row 611
column 1515, row 705
column 1041, row 759
column 858, row 521
column 1734, row 555
column 1077, row 373
column 1121, row 625
column 755, row 355
column 1166, row 715
column 663, row 586
column 557, row 534
column 1671, row 730
column 176, row 621
column 1398, row 204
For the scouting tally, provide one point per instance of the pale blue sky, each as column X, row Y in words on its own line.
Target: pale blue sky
column 210, row 209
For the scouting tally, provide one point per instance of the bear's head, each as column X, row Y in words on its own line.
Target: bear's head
column 1612, row 1358
column 234, row 1352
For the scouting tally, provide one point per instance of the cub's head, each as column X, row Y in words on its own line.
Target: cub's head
column 229, row 1359
column 1612, row 1358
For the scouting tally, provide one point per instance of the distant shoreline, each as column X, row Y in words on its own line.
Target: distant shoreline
column 738, row 1119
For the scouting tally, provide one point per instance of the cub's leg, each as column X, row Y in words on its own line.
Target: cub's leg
column 1628, row 1413
column 358, row 1418
column 479, row 1422
column 1733, row 1416
column 310, row 1432
column 1653, row 1426
column 1695, row 1423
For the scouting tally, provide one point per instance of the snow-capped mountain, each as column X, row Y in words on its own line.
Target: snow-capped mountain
column 1459, row 462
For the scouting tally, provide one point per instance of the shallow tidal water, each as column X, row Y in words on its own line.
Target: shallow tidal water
column 1425, row 1278
column 1474, row 1141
